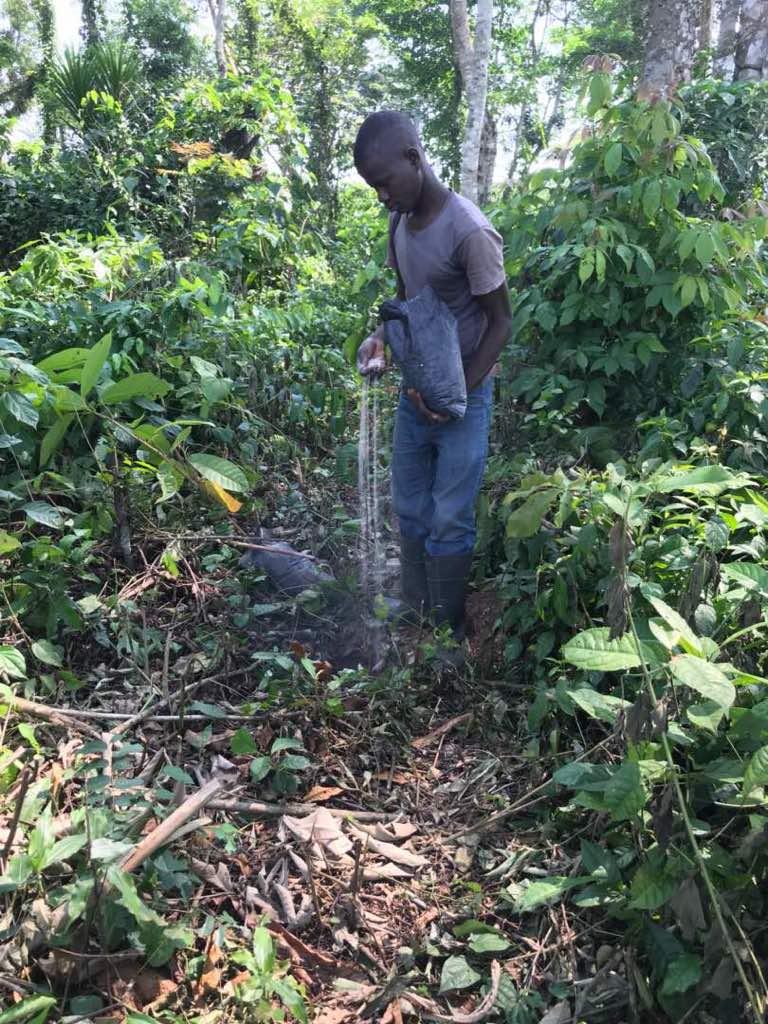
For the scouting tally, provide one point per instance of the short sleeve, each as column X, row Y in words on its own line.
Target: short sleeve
column 481, row 254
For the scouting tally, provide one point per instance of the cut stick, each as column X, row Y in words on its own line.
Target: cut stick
column 263, row 810
column 166, row 829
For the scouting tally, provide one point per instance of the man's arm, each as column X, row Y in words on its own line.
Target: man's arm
column 498, row 315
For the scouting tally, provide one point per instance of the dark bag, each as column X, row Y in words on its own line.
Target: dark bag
column 424, row 339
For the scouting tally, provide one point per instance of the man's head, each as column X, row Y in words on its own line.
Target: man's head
column 389, row 156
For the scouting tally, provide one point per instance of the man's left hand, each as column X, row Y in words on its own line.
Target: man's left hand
column 418, row 402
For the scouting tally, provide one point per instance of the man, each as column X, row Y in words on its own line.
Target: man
column 440, row 239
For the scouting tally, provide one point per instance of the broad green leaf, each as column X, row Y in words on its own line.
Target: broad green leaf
column 587, row 265
column 602, row 706
column 263, row 950
column 712, row 480
column 687, row 291
column 488, row 943
column 716, row 533
column 457, row 974
column 625, row 794
column 652, row 886
column 291, row 998
column 294, row 763
column 545, row 890
column 43, row 513
column 705, row 248
column 707, row 715
column 94, row 364
column 582, row 775
column 612, row 160
column 220, row 471
column 138, row 385
column 651, row 198
column 593, row 650
column 756, row 772
column 599, row 92
column 260, row 768
column 473, row 927
column 64, row 849
column 8, row 542
column 66, row 359
column 172, row 771
column 170, row 479
column 683, row 973
column 687, row 243
column 526, row 520
column 20, row 407
column 12, row 663
column 286, row 743
column 747, row 574
column 47, row 652
column 32, row 1006
column 703, row 677
column 677, row 623
column 53, row 438
column 109, row 850
column 242, row 743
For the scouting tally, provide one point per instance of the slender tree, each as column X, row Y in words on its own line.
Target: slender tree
column 751, row 58
column 472, row 58
column 218, row 9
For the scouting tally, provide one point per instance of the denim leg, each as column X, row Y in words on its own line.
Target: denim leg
column 413, row 471
column 462, row 449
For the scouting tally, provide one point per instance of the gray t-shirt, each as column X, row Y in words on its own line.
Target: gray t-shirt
column 460, row 255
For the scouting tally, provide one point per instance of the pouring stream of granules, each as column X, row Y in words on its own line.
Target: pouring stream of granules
column 368, row 480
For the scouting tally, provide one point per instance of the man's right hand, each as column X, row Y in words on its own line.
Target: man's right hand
column 370, row 356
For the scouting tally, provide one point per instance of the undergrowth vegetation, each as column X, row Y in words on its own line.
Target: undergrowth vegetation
column 175, row 362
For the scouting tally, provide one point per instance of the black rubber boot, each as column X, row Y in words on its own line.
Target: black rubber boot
column 447, row 577
column 414, row 591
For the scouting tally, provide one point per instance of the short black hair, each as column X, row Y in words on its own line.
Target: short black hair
column 385, row 125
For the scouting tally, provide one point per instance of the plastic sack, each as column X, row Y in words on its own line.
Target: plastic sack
column 288, row 570
column 424, row 339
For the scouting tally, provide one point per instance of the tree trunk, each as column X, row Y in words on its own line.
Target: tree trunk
column 728, row 16
column 46, row 27
column 487, row 162
column 670, row 46
column 752, row 46
column 218, row 10
column 472, row 59
column 705, row 25
column 92, row 21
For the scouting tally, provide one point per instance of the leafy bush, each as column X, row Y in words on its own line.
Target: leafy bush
column 622, row 261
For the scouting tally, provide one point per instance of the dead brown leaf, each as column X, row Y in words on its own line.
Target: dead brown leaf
column 334, row 1015
column 422, row 742
column 319, row 794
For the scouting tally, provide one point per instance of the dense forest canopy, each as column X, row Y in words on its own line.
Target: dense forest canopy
column 216, row 804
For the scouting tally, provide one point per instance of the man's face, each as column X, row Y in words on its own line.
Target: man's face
column 397, row 177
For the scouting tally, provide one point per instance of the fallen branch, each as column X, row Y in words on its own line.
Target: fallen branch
column 52, row 715
column 121, row 716
column 185, row 691
column 166, row 829
column 482, row 1011
column 206, row 539
column 264, row 810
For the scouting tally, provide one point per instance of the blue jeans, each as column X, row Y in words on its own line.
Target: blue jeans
column 437, row 470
